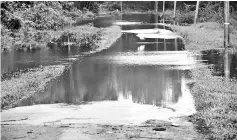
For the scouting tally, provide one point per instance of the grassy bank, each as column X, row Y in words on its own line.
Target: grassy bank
column 215, row 97
column 204, row 36
column 27, row 84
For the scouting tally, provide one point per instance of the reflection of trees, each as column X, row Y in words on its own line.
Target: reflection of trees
column 148, row 84
column 95, row 80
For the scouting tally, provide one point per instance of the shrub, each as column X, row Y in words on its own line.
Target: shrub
column 113, row 6
column 6, row 38
column 186, row 17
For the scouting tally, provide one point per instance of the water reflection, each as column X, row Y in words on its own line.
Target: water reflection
column 89, row 81
column 219, row 59
column 130, row 42
column 131, row 70
column 15, row 61
column 226, row 64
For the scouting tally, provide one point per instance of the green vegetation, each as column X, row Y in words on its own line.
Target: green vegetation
column 27, row 84
column 32, row 24
column 85, row 36
column 215, row 97
column 204, row 36
column 216, row 104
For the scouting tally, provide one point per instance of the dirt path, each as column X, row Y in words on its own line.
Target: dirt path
column 151, row 129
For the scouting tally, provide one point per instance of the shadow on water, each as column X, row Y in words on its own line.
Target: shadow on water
column 217, row 60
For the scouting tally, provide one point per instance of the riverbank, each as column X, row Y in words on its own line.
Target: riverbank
column 215, row 97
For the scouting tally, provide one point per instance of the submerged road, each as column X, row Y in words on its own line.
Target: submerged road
column 135, row 80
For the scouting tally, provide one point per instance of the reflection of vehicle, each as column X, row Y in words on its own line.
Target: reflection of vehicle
column 159, row 36
column 141, row 48
column 155, row 34
column 149, row 31
column 161, row 46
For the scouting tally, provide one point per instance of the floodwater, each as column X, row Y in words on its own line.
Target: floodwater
column 132, row 81
column 216, row 59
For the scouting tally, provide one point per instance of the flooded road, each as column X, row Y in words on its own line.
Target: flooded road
column 146, row 77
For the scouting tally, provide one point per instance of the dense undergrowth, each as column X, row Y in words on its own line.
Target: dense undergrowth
column 32, row 24
column 85, row 37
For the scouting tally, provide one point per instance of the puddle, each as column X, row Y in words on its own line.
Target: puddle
column 216, row 59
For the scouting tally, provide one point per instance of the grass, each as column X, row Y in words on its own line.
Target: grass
column 215, row 97
column 216, row 104
column 205, row 36
column 27, row 84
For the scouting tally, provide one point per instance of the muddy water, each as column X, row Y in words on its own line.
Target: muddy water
column 135, row 77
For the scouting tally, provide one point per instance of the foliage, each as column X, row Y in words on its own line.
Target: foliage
column 90, row 5
column 211, row 11
column 138, row 5
column 82, row 36
column 186, row 17
column 27, row 23
column 111, row 6
column 6, row 39
column 42, row 17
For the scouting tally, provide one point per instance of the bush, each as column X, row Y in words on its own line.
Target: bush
column 113, row 6
column 186, row 17
column 6, row 39
column 84, row 37
column 42, row 17
column 211, row 12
